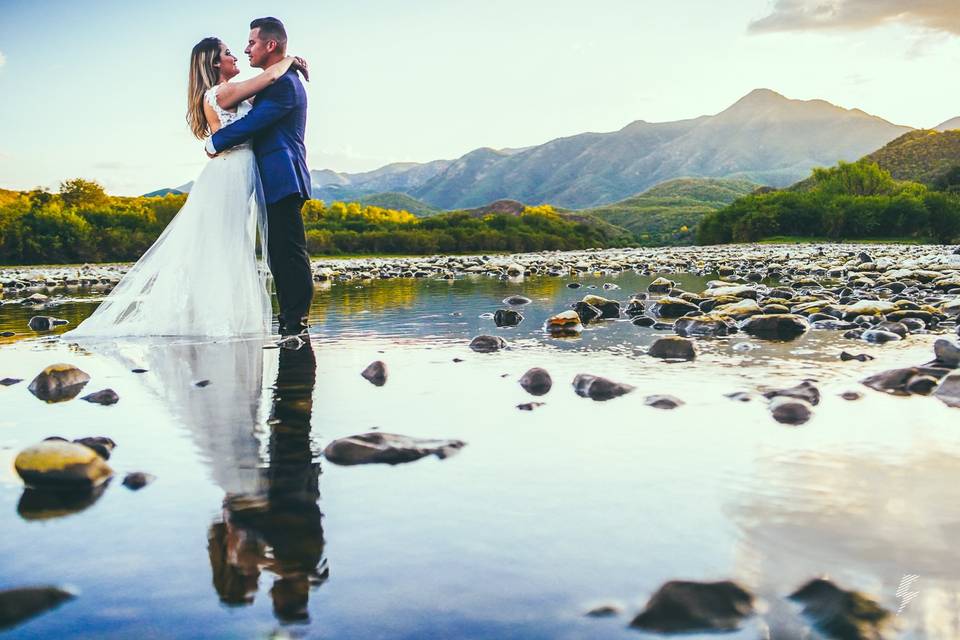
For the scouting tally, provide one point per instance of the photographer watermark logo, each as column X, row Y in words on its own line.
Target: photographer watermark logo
column 904, row 593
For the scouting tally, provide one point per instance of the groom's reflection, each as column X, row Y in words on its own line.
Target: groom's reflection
column 278, row 529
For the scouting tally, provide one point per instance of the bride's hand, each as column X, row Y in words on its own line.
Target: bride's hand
column 301, row 64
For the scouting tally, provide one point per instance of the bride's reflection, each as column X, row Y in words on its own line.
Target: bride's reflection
column 277, row 527
column 258, row 451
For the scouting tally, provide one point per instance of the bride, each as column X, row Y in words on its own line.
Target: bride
column 202, row 276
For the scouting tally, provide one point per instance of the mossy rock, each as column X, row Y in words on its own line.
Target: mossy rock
column 55, row 463
column 58, row 383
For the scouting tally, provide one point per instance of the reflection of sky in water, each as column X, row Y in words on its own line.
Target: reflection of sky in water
column 542, row 515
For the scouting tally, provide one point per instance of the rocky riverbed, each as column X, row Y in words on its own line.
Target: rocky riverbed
column 619, row 443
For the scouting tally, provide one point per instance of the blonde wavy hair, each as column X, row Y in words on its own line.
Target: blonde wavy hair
column 203, row 74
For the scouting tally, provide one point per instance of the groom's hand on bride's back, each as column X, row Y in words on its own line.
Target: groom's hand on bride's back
column 301, row 65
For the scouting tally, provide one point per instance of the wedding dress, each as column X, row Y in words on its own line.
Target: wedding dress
column 202, row 276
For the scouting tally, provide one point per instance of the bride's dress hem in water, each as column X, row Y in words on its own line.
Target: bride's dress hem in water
column 202, row 276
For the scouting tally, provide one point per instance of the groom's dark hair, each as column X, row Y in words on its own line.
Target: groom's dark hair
column 271, row 29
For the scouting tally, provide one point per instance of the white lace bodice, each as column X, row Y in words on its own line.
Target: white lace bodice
column 227, row 117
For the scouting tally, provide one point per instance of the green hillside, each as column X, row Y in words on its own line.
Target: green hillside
column 920, row 156
column 399, row 202
column 668, row 213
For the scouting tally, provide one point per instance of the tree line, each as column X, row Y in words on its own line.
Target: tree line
column 82, row 223
column 849, row 201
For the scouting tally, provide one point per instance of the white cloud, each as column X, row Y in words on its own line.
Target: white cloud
column 854, row 15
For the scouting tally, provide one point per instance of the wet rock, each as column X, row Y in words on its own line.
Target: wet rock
column 48, row 503
column 922, row 385
column 785, row 326
column 202, row 383
column 145, row 370
column 701, row 326
column 604, row 611
column 7, row 382
column 573, row 285
column 45, row 323
column 609, row 286
column 868, row 308
column 515, row 270
column 387, row 448
column 564, row 324
column 376, row 373
column 660, row 285
column 507, row 318
column 663, row 402
column 894, row 327
column 687, row 607
column 805, row 391
column 644, row 321
column 895, row 381
column 529, row 406
column 736, row 291
column 19, row 605
column 487, row 344
column 739, row 396
column 635, row 307
column 838, row 613
column 517, row 300
column 673, row 348
column 536, row 381
column 609, row 309
column 102, row 446
column 790, row 410
column 879, row 336
column 668, row 307
column 597, row 388
column 947, row 353
column 104, row 397
column 58, row 383
column 587, row 312
column 61, row 464
column 137, row 480
column 7, row 334
column 860, row 357
column 949, row 390
column 851, row 395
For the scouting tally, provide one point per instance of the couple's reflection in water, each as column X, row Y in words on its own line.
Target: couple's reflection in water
column 275, row 526
column 255, row 442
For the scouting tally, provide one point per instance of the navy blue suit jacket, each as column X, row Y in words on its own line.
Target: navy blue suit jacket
column 276, row 125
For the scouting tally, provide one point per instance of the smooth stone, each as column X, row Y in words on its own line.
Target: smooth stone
column 805, row 391
column 587, row 312
column 138, row 480
column 565, row 323
column 101, row 445
column 949, row 390
column 573, row 285
column 536, row 381
column 922, row 385
column 45, row 323
column 786, row 326
column 700, row 326
column 7, row 334
column 673, row 348
column 740, row 310
column 947, row 353
column 54, row 463
column 387, row 448
column 7, row 382
column 375, row 373
column 18, row 605
column 879, row 336
column 668, row 307
column 487, row 344
column 604, row 611
column 609, row 286
column 104, row 397
column 788, row 410
column 869, row 308
column 894, row 327
column 861, row 357
column 635, row 307
column 851, row 395
column 515, row 270
column 687, row 607
column 600, row 389
column 529, row 406
column 609, row 309
column 644, row 321
column 517, row 300
column 660, row 285
column 507, row 318
column 839, row 613
column 894, row 381
column 663, row 402
column 58, row 383
column 739, row 396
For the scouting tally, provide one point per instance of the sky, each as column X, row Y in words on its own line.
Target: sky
column 97, row 89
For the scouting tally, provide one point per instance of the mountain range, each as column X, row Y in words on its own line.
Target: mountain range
column 764, row 138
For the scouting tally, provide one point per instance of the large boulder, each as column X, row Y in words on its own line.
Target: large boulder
column 673, row 348
column 778, row 326
column 58, row 383
column 689, row 607
column 597, row 388
column 57, row 463
column 388, row 448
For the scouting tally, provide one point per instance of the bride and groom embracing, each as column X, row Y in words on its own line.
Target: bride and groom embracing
column 202, row 276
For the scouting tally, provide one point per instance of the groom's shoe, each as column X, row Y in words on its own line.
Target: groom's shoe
column 293, row 330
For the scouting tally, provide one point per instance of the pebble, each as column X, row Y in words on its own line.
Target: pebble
column 137, row 480
column 673, row 348
column 600, row 389
column 536, row 381
column 488, row 344
column 104, row 397
column 375, row 373
column 663, row 402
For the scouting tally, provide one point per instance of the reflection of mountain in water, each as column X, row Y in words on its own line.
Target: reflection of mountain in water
column 864, row 522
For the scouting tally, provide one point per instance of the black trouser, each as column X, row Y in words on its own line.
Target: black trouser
column 289, row 260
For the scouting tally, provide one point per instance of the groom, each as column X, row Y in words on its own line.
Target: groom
column 276, row 125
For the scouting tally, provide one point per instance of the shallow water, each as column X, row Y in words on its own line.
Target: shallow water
column 248, row 532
